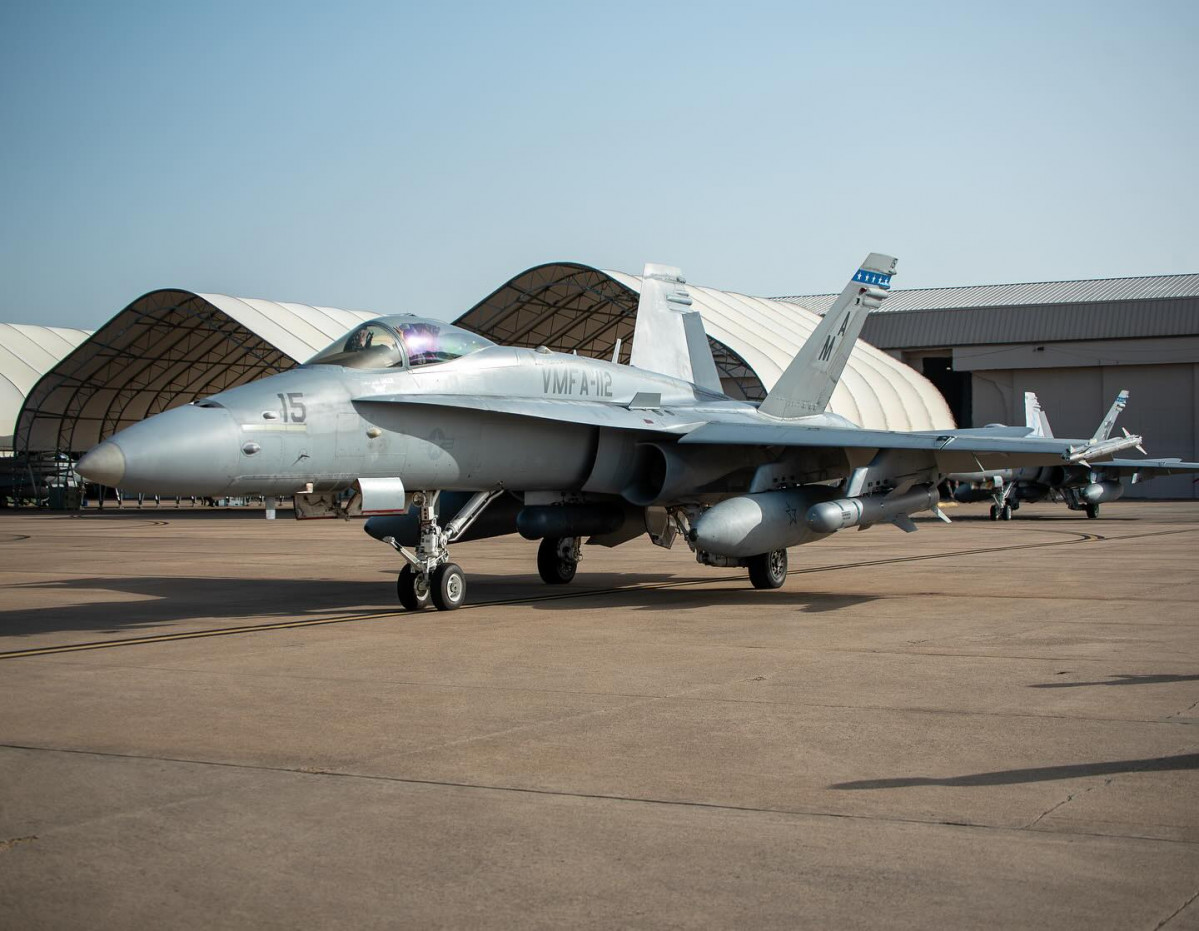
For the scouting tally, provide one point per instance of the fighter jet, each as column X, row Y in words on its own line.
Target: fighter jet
column 439, row 435
column 1083, row 486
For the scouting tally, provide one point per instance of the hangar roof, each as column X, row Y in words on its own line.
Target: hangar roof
column 568, row 306
column 167, row 348
column 1013, row 295
column 27, row 352
column 173, row 346
column 1105, row 308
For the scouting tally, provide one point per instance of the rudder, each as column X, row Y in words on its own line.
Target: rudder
column 808, row 383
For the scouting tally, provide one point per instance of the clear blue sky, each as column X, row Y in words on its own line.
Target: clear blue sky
column 412, row 158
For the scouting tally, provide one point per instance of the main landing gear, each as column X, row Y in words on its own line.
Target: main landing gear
column 768, row 570
column 1005, row 503
column 558, row 559
column 429, row 577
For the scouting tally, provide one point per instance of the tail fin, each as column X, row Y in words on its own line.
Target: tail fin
column 669, row 337
column 1109, row 422
column 808, row 383
column 1034, row 416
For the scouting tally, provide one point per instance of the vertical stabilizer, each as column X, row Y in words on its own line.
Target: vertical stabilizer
column 1109, row 422
column 669, row 336
column 1034, row 415
column 807, row 385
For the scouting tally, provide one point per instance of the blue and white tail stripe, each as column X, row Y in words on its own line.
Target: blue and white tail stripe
column 878, row 279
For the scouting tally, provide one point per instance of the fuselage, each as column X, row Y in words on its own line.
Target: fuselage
column 320, row 427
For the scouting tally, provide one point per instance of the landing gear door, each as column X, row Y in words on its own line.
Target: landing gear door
column 380, row 496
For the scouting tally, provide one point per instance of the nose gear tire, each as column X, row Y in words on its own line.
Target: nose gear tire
column 413, row 590
column 447, row 586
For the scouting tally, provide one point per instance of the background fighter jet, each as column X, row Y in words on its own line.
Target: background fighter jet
column 405, row 414
column 1082, row 486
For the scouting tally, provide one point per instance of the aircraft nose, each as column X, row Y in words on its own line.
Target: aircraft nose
column 188, row 450
column 105, row 465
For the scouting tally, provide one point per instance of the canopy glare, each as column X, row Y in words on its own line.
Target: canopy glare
column 393, row 342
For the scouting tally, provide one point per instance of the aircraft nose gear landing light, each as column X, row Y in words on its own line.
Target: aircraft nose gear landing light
column 429, row 576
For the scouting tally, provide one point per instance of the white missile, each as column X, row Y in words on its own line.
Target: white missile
column 1081, row 454
column 864, row 511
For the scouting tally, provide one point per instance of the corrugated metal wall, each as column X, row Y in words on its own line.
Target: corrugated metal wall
column 1033, row 323
column 1075, row 355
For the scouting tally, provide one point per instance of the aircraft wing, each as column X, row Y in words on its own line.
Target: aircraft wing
column 955, row 450
column 1148, row 468
column 590, row 413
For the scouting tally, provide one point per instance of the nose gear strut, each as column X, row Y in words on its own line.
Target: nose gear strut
column 429, row 576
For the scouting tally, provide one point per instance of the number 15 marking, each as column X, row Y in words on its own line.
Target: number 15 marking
column 293, row 406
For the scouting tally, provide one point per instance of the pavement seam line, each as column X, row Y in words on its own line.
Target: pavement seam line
column 595, row 796
column 1178, row 911
column 1069, row 798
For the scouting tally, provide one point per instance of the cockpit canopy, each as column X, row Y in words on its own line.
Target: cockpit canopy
column 397, row 342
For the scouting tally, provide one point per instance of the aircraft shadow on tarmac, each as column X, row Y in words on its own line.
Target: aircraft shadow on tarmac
column 1042, row 518
column 1119, row 680
column 1004, row 777
column 164, row 600
column 682, row 600
column 160, row 601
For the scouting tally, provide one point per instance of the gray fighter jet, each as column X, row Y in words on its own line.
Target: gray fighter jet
column 1083, row 486
column 439, row 435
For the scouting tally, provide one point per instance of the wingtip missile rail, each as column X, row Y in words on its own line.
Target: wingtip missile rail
column 1104, row 448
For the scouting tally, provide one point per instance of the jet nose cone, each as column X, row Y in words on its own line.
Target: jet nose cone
column 187, row 450
column 105, row 464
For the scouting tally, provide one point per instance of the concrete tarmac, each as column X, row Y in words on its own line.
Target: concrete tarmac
column 209, row 720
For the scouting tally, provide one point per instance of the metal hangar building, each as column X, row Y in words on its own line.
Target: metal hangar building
column 1075, row 343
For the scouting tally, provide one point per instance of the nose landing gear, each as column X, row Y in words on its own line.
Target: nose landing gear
column 428, row 576
column 448, row 586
